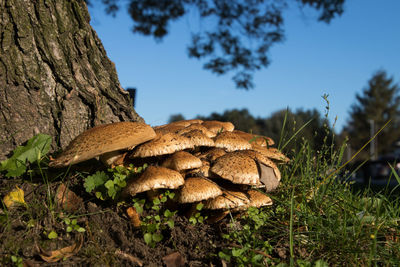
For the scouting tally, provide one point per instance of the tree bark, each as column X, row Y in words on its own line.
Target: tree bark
column 55, row 77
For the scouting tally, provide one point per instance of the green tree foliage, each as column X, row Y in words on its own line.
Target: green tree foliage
column 380, row 102
column 238, row 33
column 176, row 117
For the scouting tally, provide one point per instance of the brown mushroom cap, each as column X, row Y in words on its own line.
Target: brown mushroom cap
column 255, row 138
column 272, row 153
column 213, row 153
column 161, row 130
column 203, row 171
column 257, row 199
column 102, row 139
column 198, row 138
column 217, row 126
column 182, row 160
column 197, row 189
column 231, row 142
column 162, row 145
column 263, row 162
column 228, row 200
column 237, row 168
column 198, row 127
column 155, row 177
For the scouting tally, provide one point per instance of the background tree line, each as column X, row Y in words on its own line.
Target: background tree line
column 378, row 103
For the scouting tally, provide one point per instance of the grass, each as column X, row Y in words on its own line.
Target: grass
column 317, row 220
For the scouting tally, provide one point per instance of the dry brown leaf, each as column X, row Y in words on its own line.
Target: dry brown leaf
column 67, row 199
column 134, row 216
column 174, row 260
column 63, row 253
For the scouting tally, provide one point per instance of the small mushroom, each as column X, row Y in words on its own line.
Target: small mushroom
column 218, row 126
column 182, row 160
column 198, row 138
column 229, row 199
column 213, row 154
column 257, row 199
column 162, row 145
column 197, row 189
column 271, row 153
column 103, row 139
column 155, row 177
column 231, row 142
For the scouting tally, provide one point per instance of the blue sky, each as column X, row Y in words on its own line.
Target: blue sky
column 315, row 59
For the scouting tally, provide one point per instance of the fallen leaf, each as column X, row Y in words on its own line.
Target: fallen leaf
column 67, row 199
column 134, row 216
column 174, row 260
column 14, row 198
column 63, row 253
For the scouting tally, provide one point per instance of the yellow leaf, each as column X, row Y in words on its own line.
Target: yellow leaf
column 15, row 197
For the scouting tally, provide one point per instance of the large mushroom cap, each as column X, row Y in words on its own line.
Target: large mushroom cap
column 197, row 189
column 231, row 142
column 162, row 145
column 182, row 160
column 228, row 200
column 102, row 139
column 155, row 177
column 218, row 126
column 237, row 168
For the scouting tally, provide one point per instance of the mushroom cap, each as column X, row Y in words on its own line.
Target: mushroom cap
column 161, row 130
column 262, row 161
column 162, row 145
column 199, row 127
column 155, row 177
column 197, row 189
column 255, row 138
column 257, row 199
column 217, row 126
column 229, row 199
column 102, row 139
column 272, row 153
column 231, row 142
column 198, row 138
column 237, row 168
column 213, row 153
column 177, row 125
column 182, row 160
column 203, row 171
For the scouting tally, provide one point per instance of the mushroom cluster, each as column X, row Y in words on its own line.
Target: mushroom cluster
column 204, row 161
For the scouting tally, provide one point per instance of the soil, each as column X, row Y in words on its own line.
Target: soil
column 110, row 238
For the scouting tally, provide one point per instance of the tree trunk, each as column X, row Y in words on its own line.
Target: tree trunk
column 55, row 77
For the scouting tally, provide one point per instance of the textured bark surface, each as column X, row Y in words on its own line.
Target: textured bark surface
column 55, row 76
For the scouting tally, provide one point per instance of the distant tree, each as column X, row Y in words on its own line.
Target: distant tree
column 378, row 103
column 315, row 132
column 175, row 117
column 240, row 35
